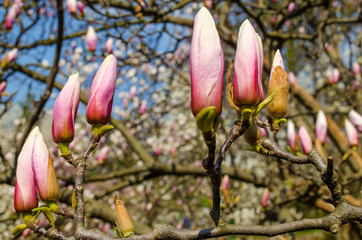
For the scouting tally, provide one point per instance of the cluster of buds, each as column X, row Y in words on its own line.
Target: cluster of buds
column 35, row 171
column 99, row 105
column 301, row 137
column 73, row 5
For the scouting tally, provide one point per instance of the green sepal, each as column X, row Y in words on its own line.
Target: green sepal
column 53, row 206
column 19, row 229
column 205, row 119
column 28, row 216
column 74, row 199
column 64, row 148
column 117, row 232
column 48, row 214
column 101, row 131
column 264, row 103
column 246, row 114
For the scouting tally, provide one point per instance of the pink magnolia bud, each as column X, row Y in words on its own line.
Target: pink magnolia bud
column 265, row 198
column 356, row 119
column 91, row 39
column 292, row 78
column 81, row 9
column 132, row 92
column 65, row 110
column 143, row 107
column 321, row 127
column 291, row 135
column 101, row 93
column 352, row 133
column 225, row 182
column 356, row 69
column 2, row 87
column 332, row 75
column 125, row 103
column 356, row 85
column 305, row 140
column 248, row 89
column 109, row 45
column 206, row 64
column 291, row 7
column 277, row 61
column 336, row 75
column 44, row 174
column 158, row 150
column 10, row 17
column 72, row 6
column 12, row 55
column 25, row 198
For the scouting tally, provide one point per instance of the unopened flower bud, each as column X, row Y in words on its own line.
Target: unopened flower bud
column 352, row 134
column 123, row 220
column 100, row 101
column 305, row 140
column 278, row 82
column 356, row 119
column 91, row 39
column 321, row 127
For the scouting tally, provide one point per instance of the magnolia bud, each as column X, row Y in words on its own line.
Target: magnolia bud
column 305, row 140
column 124, row 222
column 100, row 101
column 91, row 39
column 65, row 110
column 206, row 64
column 278, row 82
column 321, row 127
column 352, row 134
column 356, row 119
column 247, row 84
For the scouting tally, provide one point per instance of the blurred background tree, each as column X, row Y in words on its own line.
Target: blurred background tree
column 153, row 158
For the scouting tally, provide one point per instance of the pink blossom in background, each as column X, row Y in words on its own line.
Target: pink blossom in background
column 305, row 140
column 206, row 64
column 265, row 198
column 291, row 7
column 332, row 75
column 109, row 45
column 208, row 3
column 2, row 87
column 352, row 134
column 225, row 182
column 248, row 88
column 143, row 107
column 356, row 85
column 91, row 39
column 10, row 18
column 102, row 155
column 132, row 92
column 321, row 127
column 158, row 150
column 356, row 119
column 292, row 78
column 72, row 6
column 81, row 9
column 291, row 135
column 356, row 69
column 125, row 103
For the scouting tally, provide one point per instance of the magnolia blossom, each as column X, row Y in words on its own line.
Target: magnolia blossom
column 265, row 198
column 206, row 64
column 132, row 92
column 247, row 84
column 291, row 6
column 72, row 6
column 305, row 140
column 101, row 93
column 356, row 119
column 356, row 69
column 65, row 110
column 91, row 39
column 10, row 17
column 332, row 75
column 2, row 87
column 81, row 9
column 44, row 173
column 25, row 198
column 291, row 135
column 277, row 61
column 109, row 45
column 321, row 127
column 292, row 78
column 352, row 134
column 102, row 156
column 143, row 107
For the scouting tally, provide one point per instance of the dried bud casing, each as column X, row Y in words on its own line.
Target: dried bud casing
column 123, row 220
column 279, row 82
